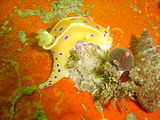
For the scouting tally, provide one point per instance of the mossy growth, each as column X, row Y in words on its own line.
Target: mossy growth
column 22, row 36
column 72, row 59
column 4, row 27
column 21, row 91
column 40, row 114
column 58, row 9
column 131, row 116
column 122, row 58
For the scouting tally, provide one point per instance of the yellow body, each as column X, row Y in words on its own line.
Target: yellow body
column 65, row 34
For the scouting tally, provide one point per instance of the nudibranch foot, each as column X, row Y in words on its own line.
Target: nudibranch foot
column 62, row 38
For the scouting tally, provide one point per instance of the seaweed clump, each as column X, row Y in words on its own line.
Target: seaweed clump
column 91, row 71
column 146, row 70
column 83, row 61
column 99, row 72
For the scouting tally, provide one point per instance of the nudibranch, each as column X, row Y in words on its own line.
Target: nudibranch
column 63, row 36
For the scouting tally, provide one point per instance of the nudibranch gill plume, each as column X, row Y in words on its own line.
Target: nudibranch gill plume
column 63, row 36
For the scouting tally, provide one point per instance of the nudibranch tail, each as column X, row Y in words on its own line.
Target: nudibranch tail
column 63, row 37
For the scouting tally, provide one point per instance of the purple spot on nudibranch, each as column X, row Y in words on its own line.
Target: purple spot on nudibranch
column 50, row 81
column 50, row 84
column 60, row 33
column 53, row 52
column 55, row 36
column 92, row 35
column 85, row 21
column 55, row 76
column 45, row 86
column 56, row 58
column 97, row 27
column 73, row 19
column 57, row 65
column 61, row 28
column 66, row 37
column 60, row 53
column 59, row 70
column 105, row 33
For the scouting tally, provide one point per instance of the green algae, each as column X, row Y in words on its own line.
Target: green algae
column 27, row 44
column 9, row 36
column 19, row 49
column 4, row 27
column 40, row 114
column 38, row 12
column 58, row 9
column 15, row 7
column 135, row 8
column 133, row 4
column 84, row 107
column 155, row 27
column 23, row 39
column 91, row 6
column 21, row 91
column 29, row 90
column 26, row 13
column 22, row 36
column 65, row 7
column 85, row 13
column 73, row 58
column 123, row 106
column 131, row 116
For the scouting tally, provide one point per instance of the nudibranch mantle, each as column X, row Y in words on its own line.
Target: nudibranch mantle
column 62, row 38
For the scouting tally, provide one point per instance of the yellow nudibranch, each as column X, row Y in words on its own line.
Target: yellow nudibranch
column 62, row 38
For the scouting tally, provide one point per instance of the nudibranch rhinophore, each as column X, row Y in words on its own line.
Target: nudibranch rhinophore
column 62, row 38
